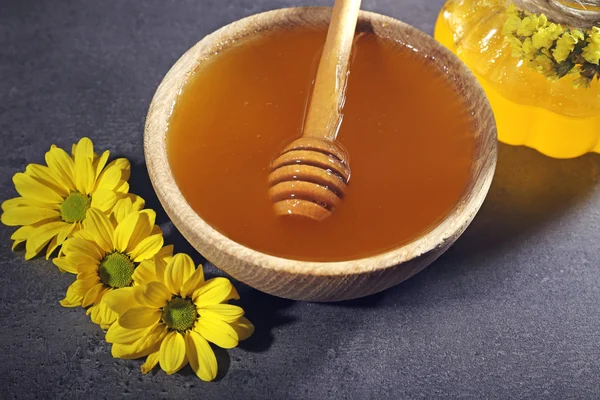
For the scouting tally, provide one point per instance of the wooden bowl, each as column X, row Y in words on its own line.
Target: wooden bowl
column 318, row 281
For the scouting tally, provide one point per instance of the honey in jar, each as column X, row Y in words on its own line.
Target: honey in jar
column 408, row 133
column 532, row 107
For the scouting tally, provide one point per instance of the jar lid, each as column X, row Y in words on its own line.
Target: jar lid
column 582, row 14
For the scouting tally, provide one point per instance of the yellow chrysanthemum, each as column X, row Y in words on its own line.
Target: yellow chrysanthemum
column 173, row 319
column 104, row 255
column 55, row 198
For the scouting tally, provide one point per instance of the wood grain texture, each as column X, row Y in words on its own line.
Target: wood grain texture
column 324, row 111
column 316, row 156
column 319, row 281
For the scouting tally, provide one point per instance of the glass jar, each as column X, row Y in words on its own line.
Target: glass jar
column 538, row 102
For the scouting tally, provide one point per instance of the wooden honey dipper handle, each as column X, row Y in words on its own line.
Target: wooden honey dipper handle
column 309, row 178
column 324, row 111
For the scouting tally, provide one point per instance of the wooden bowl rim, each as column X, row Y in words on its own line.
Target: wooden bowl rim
column 200, row 234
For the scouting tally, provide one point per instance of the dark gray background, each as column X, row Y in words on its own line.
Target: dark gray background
column 511, row 311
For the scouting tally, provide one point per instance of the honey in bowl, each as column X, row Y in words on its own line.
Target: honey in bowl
column 408, row 133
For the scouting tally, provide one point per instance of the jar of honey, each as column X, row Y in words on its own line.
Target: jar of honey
column 538, row 62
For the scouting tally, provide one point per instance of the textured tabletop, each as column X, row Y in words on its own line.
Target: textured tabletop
column 511, row 311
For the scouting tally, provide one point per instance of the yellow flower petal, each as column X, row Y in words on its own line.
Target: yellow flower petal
column 193, row 283
column 139, row 317
column 78, row 259
column 150, row 362
column 88, row 270
column 101, row 315
column 66, row 232
column 101, row 229
column 41, row 236
column 104, row 199
column 71, row 299
column 16, row 244
column 122, row 208
column 137, row 202
column 154, row 295
column 28, row 215
column 65, row 265
column 124, row 165
column 124, row 231
column 88, row 274
column 127, row 205
column 172, row 353
column 200, row 356
column 109, row 178
column 214, row 291
column 93, row 295
column 147, row 248
column 84, row 149
column 45, row 176
column 121, row 300
column 117, row 334
column 217, row 332
column 84, row 234
column 151, row 341
column 100, row 163
column 154, row 336
column 145, row 273
column 24, row 232
column 51, row 247
column 60, row 238
column 122, row 187
column 225, row 312
column 130, row 351
column 28, row 187
column 160, row 262
column 166, row 253
column 143, row 229
column 84, row 175
column 62, row 166
column 82, row 286
column 83, row 248
column 27, row 202
column 243, row 327
column 178, row 270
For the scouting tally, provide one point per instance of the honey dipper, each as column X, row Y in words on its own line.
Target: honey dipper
column 309, row 178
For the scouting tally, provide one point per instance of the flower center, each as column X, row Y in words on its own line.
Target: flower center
column 116, row 270
column 179, row 314
column 75, row 206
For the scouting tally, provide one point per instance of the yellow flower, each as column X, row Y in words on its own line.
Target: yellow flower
column 565, row 45
column 55, row 198
column 512, row 24
column 591, row 52
column 104, row 255
column 172, row 319
column 530, row 24
column 544, row 65
column 545, row 37
column 529, row 51
column 516, row 46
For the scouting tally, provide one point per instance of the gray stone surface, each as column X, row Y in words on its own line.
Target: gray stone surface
column 511, row 311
